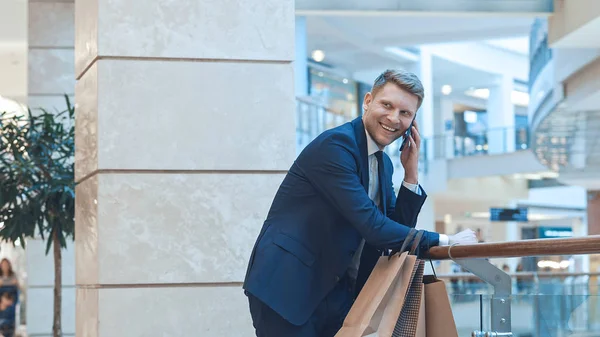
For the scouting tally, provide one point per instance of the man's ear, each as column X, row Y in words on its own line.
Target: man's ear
column 368, row 99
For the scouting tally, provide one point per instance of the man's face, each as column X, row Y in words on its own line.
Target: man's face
column 388, row 113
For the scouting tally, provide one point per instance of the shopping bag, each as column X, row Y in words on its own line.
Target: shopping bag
column 421, row 323
column 407, row 324
column 406, row 298
column 438, row 311
column 399, row 294
column 387, row 284
column 425, row 309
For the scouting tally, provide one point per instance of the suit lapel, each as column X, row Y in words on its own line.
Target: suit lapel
column 361, row 140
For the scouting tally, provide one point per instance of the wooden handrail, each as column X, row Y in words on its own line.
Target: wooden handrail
column 524, row 275
column 538, row 247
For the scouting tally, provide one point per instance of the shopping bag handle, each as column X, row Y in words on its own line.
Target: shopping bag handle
column 415, row 246
column 416, row 242
column 409, row 238
column 413, row 236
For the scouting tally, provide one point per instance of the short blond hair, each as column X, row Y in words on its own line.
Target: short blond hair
column 405, row 80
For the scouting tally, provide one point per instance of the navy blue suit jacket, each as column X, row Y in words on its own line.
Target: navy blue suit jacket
column 317, row 220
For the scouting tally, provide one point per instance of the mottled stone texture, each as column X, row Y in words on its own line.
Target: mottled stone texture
column 185, row 128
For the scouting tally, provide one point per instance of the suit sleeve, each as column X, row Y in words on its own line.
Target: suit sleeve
column 333, row 171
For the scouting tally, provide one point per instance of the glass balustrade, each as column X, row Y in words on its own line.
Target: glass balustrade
column 312, row 119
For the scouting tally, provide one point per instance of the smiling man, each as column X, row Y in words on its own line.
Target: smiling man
column 335, row 213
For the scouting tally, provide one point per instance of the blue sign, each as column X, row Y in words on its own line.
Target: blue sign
column 448, row 125
column 508, row 214
column 554, row 232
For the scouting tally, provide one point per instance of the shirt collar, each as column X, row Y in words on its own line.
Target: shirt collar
column 372, row 147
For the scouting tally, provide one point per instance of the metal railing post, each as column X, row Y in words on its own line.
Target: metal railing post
column 500, row 304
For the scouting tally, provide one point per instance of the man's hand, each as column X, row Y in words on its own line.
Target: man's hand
column 410, row 156
column 466, row 237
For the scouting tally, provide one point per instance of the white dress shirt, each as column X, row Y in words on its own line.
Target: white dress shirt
column 372, row 147
column 374, row 193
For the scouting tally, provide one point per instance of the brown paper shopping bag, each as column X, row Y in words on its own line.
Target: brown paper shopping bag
column 406, row 299
column 421, row 323
column 419, row 305
column 382, row 287
column 438, row 312
column 394, row 306
column 365, row 314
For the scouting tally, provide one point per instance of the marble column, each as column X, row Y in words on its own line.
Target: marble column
column 593, row 213
column 501, row 117
column 301, row 61
column 13, row 54
column 185, row 129
column 593, row 224
column 425, row 115
column 51, row 54
column 593, row 228
column 51, row 75
column 444, row 127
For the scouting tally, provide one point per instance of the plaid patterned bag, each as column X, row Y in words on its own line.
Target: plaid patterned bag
column 408, row 322
column 426, row 311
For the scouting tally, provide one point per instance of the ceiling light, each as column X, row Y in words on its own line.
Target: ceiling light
column 478, row 93
column 318, row 55
column 403, row 53
column 345, row 80
column 446, row 89
column 564, row 264
column 532, row 176
column 517, row 97
column 549, row 174
column 470, row 116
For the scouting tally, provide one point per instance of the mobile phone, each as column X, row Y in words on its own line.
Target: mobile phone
column 407, row 134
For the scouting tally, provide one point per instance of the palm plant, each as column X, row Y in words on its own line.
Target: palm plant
column 37, row 187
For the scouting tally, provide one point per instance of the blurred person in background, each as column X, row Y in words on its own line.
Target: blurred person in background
column 9, row 294
column 7, row 274
column 7, row 314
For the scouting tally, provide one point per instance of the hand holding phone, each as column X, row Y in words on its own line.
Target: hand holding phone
column 407, row 133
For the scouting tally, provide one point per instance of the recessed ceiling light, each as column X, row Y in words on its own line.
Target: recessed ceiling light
column 318, row 55
column 446, row 89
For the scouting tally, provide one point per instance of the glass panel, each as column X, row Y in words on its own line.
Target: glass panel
column 467, row 312
column 546, row 302
column 336, row 93
column 532, row 315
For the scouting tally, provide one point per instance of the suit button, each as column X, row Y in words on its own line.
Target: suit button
column 352, row 253
column 337, row 279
